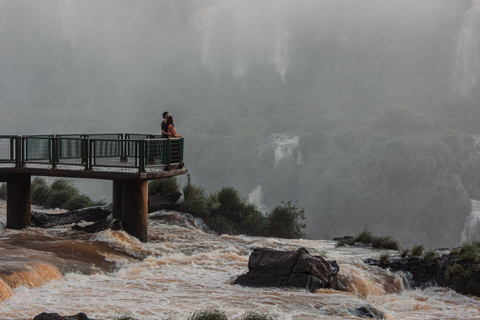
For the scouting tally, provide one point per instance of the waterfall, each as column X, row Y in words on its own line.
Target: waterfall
column 237, row 34
column 467, row 62
column 65, row 18
column 256, row 197
column 284, row 146
column 471, row 230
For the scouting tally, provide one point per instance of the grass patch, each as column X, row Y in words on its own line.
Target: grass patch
column 208, row 314
column 384, row 258
column 457, row 271
column 469, row 252
column 430, row 256
column 285, row 221
column 256, row 315
column 417, row 250
column 229, row 198
column 164, row 186
column 367, row 237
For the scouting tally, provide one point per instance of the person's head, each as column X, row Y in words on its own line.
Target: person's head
column 165, row 114
column 169, row 120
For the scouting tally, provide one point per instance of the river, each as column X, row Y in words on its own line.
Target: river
column 183, row 269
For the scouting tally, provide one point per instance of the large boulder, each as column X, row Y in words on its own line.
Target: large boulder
column 56, row 316
column 298, row 269
column 444, row 271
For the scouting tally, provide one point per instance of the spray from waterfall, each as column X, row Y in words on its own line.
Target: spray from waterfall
column 256, row 197
column 467, row 63
column 284, row 146
column 471, row 230
column 236, row 35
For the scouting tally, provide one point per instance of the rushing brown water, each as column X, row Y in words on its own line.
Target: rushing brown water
column 183, row 269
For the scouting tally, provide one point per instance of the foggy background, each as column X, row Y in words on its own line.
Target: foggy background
column 364, row 111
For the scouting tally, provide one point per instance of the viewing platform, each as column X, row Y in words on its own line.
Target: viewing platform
column 128, row 159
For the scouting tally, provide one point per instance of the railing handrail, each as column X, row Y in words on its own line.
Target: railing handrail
column 92, row 150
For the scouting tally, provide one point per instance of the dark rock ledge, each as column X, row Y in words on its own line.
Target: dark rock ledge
column 444, row 271
column 297, row 269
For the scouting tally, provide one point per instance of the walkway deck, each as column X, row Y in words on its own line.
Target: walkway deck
column 129, row 160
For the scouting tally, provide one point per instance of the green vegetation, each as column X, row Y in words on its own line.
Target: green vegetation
column 62, row 194
column 384, row 258
column 226, row 212
column 430, row 256
column 457, row 270
column 367, row 237
column 213, row 314
column 208, row 314
column 164, row 186
column 468, row 252
column 417, row 250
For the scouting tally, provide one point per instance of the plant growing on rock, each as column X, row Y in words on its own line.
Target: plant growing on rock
column 430, row 256
column 256, row 315
column 208, row 314
column 164, row 186
column 417, row 250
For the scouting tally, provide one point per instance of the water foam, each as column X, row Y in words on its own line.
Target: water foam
column 467, row 61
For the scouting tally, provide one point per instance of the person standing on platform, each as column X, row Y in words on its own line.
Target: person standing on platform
column 172, row 133
column 164, row 125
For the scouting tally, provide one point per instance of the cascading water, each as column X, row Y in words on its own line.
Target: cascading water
column 284, row 146
column 239, row 34
column 471, row 231
column 467, row 64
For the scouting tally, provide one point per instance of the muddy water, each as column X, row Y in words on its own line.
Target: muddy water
column 183, row 269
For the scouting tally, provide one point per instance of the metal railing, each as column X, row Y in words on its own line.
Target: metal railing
column 134, row 151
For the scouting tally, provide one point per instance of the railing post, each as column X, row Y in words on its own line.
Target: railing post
column 168, row 152
column 90, row 152
column 54, row 151
column 180, row 149
column 141, row 165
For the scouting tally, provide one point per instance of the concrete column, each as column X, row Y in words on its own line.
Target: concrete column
column 117, row 201
column 135, row 208
column 19, row 201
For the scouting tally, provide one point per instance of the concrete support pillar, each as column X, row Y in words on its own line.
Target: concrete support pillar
column 19, row 201
column 135, row 208
column 117, row 199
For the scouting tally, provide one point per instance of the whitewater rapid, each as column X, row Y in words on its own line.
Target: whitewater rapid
column 182, row 269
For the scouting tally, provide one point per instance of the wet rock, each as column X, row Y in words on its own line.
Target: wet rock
column 444, row 271
column 157, row 202
column 56, row 316
column 92, row 214
column 298, row 269
column 109, row 223
column 368, row 312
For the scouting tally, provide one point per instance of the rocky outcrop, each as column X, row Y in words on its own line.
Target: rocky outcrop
column 298, row 269
column 444, row 271
column 56, row 316
column 92, row 214
column 157, row 202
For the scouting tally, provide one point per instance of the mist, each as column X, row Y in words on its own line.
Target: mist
column 364, row 111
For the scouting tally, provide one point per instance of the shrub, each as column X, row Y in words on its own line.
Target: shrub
column 39, row 181
column 457, row 271
column 430, row 256
column 195, row 201
column 365, row 236
column 256, row 315
column 417, row 250
column 64, row 185
column 40, row 193
column 469, row 252
column 208, row 314
column 385, row 242
column 229, row 198
column 384, row 258
column 58, row 198
column 220, row 224
column 404, row 253
column 78, row 202
column 254, row 221
column 212, row 201
column 283, row 221
column 348, row 241
column 164, row 186
column 124, row 317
